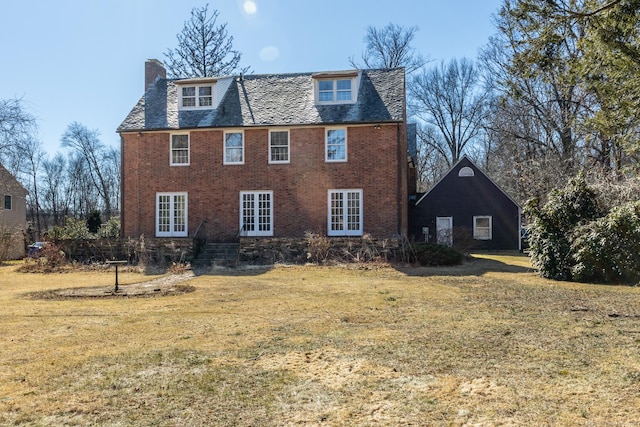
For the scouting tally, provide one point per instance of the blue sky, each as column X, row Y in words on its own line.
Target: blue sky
column 83, row 60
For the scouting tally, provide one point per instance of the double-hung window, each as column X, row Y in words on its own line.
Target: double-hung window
column 171, row 215
column 180, row 150
column 233, row 148
column 482, row 228
column 279, row 146
column 256, row 213
column 336, row 145
column 196, row 96
column 345, row 213
column 335, row 91
column 8, row 202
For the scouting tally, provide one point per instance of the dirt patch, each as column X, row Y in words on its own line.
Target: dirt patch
column 163, row 286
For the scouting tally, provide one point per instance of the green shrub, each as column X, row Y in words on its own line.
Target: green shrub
column 606, row 250
column 552, row 227
column 433, row 254
column 111, row 228
column 73, row 229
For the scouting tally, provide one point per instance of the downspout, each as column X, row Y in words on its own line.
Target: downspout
column 122, row 216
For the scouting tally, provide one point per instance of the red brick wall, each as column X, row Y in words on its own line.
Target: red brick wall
column 376, row 164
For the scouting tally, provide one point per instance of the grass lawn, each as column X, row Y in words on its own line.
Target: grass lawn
column 487, row 343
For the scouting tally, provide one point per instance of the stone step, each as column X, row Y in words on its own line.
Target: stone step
column 216, row 252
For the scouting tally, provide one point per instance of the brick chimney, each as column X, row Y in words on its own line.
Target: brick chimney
column 153, row 70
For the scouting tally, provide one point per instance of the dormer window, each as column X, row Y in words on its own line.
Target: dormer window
column 336, row 88
column 196, row 93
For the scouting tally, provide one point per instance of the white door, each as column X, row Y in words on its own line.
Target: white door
column 444, row 230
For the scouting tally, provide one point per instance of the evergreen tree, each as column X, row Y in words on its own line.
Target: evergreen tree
column 205, row 49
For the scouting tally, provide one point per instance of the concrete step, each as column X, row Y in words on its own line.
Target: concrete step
column 216, row 252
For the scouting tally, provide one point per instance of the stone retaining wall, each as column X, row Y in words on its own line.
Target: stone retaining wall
column 263, row 250
column 136, row 251
column 318, row 249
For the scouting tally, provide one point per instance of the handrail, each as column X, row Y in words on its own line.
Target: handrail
column 198, row 244
column 243, row 228
column 198, row 229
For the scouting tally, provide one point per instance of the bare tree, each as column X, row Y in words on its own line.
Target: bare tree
column 390, row 47
column 451, row 100
column 205, row 49
column 32, row 154
column 16, row 125
column 89, row 148
column 56, row 194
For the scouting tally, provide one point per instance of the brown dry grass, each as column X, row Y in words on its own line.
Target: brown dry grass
column 487, row 343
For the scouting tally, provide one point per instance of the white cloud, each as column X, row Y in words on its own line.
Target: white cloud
column 269, row 53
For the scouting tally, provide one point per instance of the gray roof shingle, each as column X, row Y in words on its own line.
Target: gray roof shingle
column 272, row 100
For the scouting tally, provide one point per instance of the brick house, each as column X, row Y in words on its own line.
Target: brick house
column 272, row 155
column 13, row 215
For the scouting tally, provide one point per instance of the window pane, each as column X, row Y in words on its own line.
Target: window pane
column 234, row 140
column 337, row 220
column 336, row 144
column 179, row 149
column 325, row 85
column 189, row 96
column 164, row 213
column 264, row 211
column 353, row 211
column 344, row 90
column 248, row 210
column 7, row 202
column 280, row 146
column 482, row 228
column 180, row 141
column 233, row 148
column 205, row 97
column 179, row 214
column 325, row 90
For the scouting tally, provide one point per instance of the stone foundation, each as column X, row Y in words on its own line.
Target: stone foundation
column 318, row 249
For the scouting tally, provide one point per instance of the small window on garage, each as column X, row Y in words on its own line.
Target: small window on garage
column 482, row 228
column 466, row 171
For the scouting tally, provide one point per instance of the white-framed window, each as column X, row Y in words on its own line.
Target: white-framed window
column 196, row 96
column 233, row 148
column 256, row 213
column 335, row 91
column 482, row 227
column 345, row 213
column 279, row 146
column 171, row 214
column 8, row 202
column 336, row 145
column 465, row 172
column 179, row 149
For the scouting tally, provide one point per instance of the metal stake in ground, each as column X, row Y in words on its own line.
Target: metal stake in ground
column 116, row 263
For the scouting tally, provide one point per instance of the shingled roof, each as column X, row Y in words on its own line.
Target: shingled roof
column 271, row 100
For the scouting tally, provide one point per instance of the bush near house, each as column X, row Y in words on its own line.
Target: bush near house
column 551, row 229
column 606, row 250
column 572, row 237
column 433, row 254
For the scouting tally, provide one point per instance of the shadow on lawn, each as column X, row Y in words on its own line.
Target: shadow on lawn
column 236, row 270
column 472, row 266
